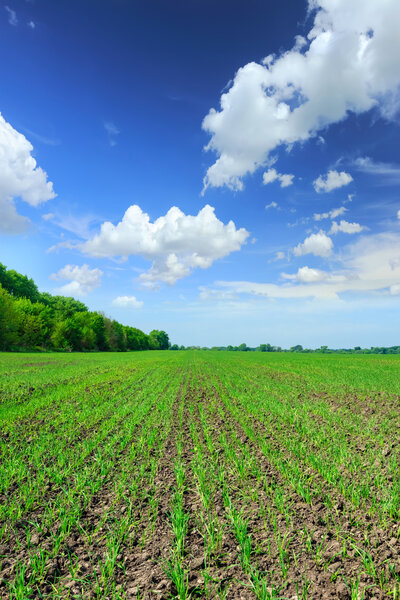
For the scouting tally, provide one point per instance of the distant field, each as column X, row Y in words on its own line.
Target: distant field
column 159, row 475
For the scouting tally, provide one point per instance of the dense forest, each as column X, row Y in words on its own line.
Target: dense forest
column 31, row 320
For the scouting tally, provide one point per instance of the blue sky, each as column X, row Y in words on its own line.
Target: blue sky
column 272, row 128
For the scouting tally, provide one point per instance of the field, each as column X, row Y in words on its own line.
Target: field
column 157, row 475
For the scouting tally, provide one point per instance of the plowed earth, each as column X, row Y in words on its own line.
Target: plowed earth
column 199, row 475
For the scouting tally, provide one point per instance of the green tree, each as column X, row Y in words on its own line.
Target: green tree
column 159, row 340
column 18, row 285
column 8, row 321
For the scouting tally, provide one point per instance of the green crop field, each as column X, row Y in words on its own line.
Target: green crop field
column 199, row 475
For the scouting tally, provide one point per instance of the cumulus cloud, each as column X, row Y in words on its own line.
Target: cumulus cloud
column 350, row 61
column 12, row 16
column 272, row 175
column 398, row 214
column 332, row 181
column 175, row 243
column 346, row 227
column 369, row 266
column 82, row 280
column 332, row 214
column 318, row 244
column 20, row 177
column 307, row 275
column 127, row 302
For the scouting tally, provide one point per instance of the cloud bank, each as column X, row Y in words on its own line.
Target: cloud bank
column 350, row 61
column 369, row 266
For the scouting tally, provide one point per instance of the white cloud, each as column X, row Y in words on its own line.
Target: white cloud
column 80, row 225
column 112, row 131
column 271, row 205
column 175, row 243
column 48, row 216
column 398, row 214
column 127, row 302
column 83, row 280
column 369, row 266
column 210, row 294
column 20, row 177
column 286, row 180
column 395, row 289
column 272, row 175
column 346, row 227
column 11, row 223
column 318, row 244
column 32, row 24
column 350, row 62
column 307, row 275
column 12, row 16
column 311, row 275
column 389, row 173
column 332, row 214
column 332, row 181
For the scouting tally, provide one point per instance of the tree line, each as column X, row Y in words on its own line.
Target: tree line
column 298, row 348
column 33, row 320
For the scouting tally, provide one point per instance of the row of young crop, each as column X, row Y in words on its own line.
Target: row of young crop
column 361, row 463
column 190, row 477
column 48, row 500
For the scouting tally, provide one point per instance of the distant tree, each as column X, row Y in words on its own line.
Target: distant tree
column 243, row 348
column 265, row 348
column 297, row 348
column 159, row 340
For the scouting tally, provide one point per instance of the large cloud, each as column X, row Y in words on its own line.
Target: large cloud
column 370, row 266
column 350, row 62
column 175, row 243
column 82, row 280
column 20, row 177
